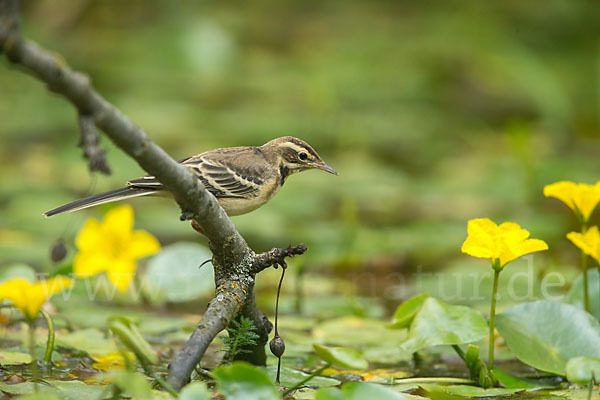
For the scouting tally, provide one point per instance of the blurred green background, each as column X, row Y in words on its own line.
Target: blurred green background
column 433, row 113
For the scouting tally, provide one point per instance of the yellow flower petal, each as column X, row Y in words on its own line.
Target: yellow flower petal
column 118, row 222
column 121, row 273
column 113, row 247
column 90, row 235
column 90, row 263
column 503, row 243
column 581, row 198
column 481, row 239
column 563, row 191
column 143, row 244
column 29, row 297
column 588, row 242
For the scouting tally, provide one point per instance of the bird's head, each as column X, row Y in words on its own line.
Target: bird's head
column 295, row 155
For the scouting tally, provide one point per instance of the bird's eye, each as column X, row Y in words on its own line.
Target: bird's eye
column 303, row 156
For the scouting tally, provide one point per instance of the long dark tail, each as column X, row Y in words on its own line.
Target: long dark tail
column 101, row 198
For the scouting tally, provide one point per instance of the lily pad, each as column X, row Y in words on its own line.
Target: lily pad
column 358, row 333
column 70, row 390
column 175, row 275
column 195, row 391
column 14, row 358
column 547, row 334
column 18, row 271
column 438, row 323
column 290, row 377
column 241, row 381
column 92, row 341
column 407, row 310
column 341, row 357
column 475, row 391
column 575, row 295
column 583, row 369
column 362, row 390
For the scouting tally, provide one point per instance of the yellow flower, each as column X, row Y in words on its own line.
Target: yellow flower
column 588, row 242
column 109, row 361
column 579, row 197
column 501, row 244
column 29, row 297
column 112, row 247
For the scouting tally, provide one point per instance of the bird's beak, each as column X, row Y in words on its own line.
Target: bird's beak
column 325, row 167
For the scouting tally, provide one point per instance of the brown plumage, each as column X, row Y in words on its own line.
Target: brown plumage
column 241, row 178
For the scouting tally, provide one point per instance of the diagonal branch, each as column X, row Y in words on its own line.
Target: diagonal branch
column 235, row 263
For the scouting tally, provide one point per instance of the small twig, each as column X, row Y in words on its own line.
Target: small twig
column 277, row 344
column 89, row 141
column 276, row 256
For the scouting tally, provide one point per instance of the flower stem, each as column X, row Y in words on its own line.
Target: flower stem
column 586, row 298
column 459, row 351
column 303, row 381
column 34, row 370
column 584, row 267
column 493, row 318
column 50, row 341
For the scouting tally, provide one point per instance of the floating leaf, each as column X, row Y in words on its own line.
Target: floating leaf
column 329, row 394
column 241, row 381
column 470, row 391
column 195, row 391
column 186, row 282
column 13, row 358
column 406, row 311
column 583, row 369
column 547, row 334
column 91, row 341
column 362, row 390
column 290, row 377
column 134, row 384
column 341, row 357
column 438, row 323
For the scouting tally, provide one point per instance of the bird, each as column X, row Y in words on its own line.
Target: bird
column 241, row 178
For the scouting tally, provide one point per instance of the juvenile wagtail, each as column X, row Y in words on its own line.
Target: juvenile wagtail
column 241, row 178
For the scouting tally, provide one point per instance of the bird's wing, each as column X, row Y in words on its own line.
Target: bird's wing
column 222, row 179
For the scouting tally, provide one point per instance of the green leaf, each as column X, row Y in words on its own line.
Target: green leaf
column 195, row 391
column 362, row 391
column 341, row 357
column 438, row 323
column 371, row 336
column 470, row 391
column 289, row 377
column 132, row 338
column 512, row 382
column 69, row 390
column 13, row 358
column 575, row 295
column 583, row 369
column 329, row 394
column 406, row 311
column 91, row 341
column 134, row 384
column 241, row 381
column 18, row 271
column 547, row 334
column 187, row 281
